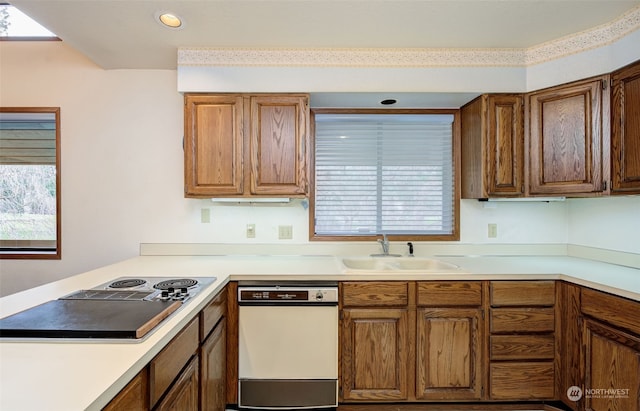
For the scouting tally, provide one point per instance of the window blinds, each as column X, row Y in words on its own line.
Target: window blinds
column 28, row 138
column 384, row 173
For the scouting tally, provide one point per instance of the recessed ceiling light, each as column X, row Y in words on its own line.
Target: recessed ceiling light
column 170, row 20
column 388, row 101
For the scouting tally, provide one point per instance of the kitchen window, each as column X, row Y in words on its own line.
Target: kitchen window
column 30, row 183
column 385, row 172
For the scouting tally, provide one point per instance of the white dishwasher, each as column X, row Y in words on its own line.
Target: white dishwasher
column 288, row 353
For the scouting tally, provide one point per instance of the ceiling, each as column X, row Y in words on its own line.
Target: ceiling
column 124, row 34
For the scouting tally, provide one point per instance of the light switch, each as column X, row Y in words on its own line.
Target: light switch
column 493, row 230
column 251, row 231
column 205, row 215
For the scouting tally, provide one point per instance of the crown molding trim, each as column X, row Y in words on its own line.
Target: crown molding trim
column 596, row 37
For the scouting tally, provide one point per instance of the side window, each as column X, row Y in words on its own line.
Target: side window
column 30, row 183
column 390, row 172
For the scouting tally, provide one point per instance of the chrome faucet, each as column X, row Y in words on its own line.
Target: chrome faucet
column 384, row 242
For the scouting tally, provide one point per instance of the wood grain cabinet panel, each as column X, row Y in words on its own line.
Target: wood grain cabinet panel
column 625, row 130
column 279, row 138
column 166, row 366
column 492, row 146
column 213, row 145
column 508, row 320
column 133, row 397
column 375, row 354
column 449, row 293
column 183, row 394
column 567, row 134
column 213, row 369
column 612, row 364
column 375, row 294
column 448, row 354
column 522, row 293
column 246, row 145
column 522, row 345
column 522, row 380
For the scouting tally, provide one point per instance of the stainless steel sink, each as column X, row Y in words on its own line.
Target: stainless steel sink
column 396, row 264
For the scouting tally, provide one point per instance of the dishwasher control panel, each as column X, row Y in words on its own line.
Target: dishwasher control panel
column 288, row 294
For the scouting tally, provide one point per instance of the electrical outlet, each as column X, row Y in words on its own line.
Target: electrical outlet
column 205, row 215
column 493, row 230
column 285, row 232
column 251, row 231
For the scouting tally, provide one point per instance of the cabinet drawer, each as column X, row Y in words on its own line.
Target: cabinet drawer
column 375, row 293
column 522, row 347
column 611, row 309
column 166, row 366
column 449, row 293
column 515, row 320
column 522, row 293
column 212, row 313
column 522, row 381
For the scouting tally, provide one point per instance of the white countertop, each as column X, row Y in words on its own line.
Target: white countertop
column 71, row 375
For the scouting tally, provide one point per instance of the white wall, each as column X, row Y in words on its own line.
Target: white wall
column 122, row 175
column 608, row 222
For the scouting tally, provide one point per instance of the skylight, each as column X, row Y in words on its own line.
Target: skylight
column 14, row 23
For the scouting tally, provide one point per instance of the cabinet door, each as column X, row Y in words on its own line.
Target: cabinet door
column 183, row 394
column 133, row 397
column 625, row 130
column 566, row 139
column 448, row 354
column 505, row 146
column 213, row 370
column 279, row 136
column 213, row 145
column 492, row 146
column 612, row 365
column 375, row 354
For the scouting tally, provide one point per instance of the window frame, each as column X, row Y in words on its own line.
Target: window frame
column 34, row 252
column 456, row 133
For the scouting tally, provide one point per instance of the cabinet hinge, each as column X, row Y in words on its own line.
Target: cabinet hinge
column 483, row 314
column 604, row 84
column 604, row 186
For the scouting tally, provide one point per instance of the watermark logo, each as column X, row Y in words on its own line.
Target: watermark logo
column 574, row 393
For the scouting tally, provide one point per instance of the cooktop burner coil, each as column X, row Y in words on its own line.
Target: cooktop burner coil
column 177, row 283
column 127, row 283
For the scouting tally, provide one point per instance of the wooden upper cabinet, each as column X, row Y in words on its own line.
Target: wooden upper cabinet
column 213, row 145
column 625, row 130
column 246, row 145
column 568, row 139
column 279, row 137
column 493, row 146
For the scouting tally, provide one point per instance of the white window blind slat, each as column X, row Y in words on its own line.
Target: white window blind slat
column 380, row 173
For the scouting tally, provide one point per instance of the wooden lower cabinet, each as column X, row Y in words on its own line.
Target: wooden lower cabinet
column 213, row 369
column 183, row 394
column 448, row 354
column 426, row 348
column 612, row 365
column 189, row 373
column 522, row 340
column 133, row 397
column 610, row 356
column 375, row 354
